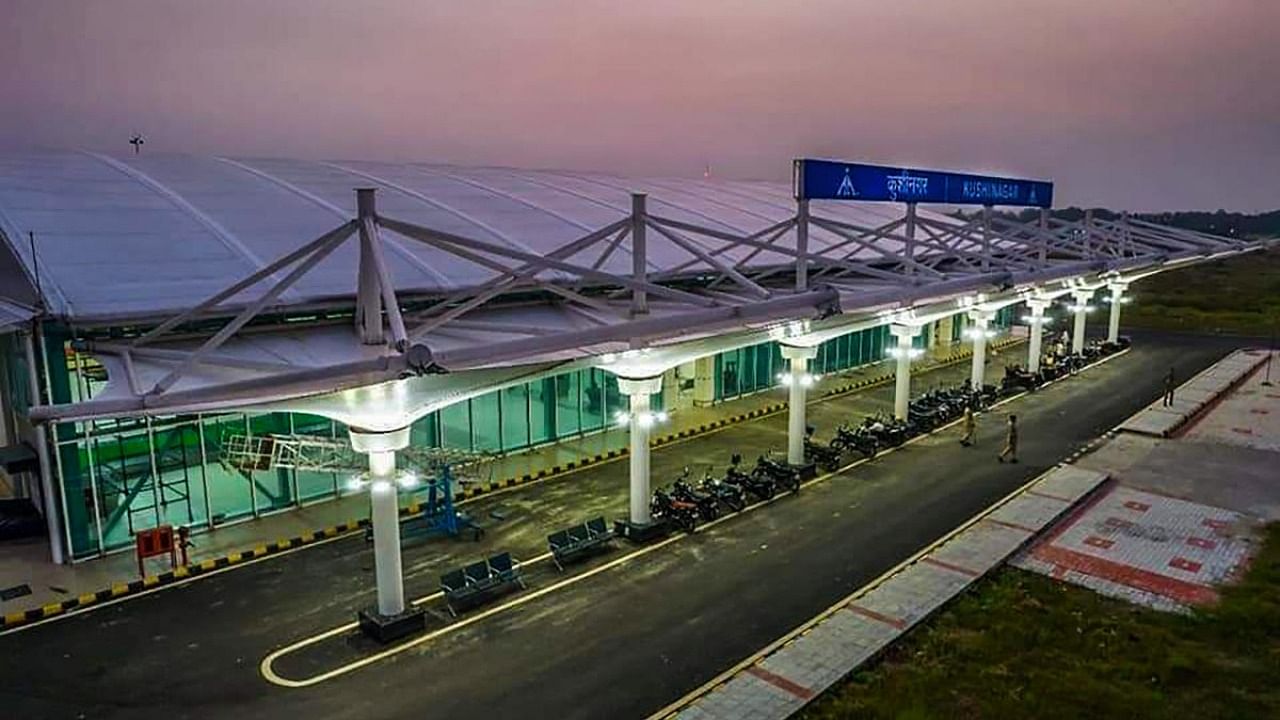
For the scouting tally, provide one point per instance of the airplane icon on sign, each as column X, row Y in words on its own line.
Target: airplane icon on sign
column 846, row 188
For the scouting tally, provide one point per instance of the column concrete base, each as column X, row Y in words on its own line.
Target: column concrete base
column 640, row 533
column 808, row 470
column 387, row 628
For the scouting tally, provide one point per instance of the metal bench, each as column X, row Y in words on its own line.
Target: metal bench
column 480, row 582
column 580, row 541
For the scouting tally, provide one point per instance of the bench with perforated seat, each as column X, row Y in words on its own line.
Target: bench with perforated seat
column 580, row 541
column 480, row 582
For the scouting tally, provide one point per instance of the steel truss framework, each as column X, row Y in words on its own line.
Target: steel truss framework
column 538, row 306
column 310, row 453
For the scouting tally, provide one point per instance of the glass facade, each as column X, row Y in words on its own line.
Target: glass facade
column 756, row 367
column 119, row 476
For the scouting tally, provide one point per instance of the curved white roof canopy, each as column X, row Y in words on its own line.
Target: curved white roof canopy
column 142, row 237
column 478, row 269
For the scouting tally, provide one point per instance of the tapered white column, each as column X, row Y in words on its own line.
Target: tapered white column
column 1117, row 299
column 641, row 419
column 979, row 331
column 1080, row 309
column 384, row 513
column 1036, row 322
column 903, row 352
column 799, row 380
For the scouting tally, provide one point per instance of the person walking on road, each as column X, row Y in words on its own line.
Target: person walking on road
column 1011, row 442
column 1168, row 388
column 970, row 425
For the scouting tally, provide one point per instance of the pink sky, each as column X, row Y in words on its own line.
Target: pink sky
column 1141, row 104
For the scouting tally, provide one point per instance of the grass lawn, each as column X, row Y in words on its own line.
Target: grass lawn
column 1238, row 295
column 1019, row 645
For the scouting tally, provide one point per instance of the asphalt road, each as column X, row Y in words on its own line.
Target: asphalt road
column 620, row 644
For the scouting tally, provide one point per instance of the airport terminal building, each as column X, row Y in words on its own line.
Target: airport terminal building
column 158, row 309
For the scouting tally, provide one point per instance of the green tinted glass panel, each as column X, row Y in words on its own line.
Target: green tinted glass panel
column 229, row 490
column 455, row 426
column 515, row 417
column 542, row 410
column 568, row 413
column 486, row 427
column 592, row 399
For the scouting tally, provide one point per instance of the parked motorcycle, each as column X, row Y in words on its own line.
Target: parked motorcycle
column 860, row 439
column 680, row 513
column 761, row 487
column 888, row 430
column 780, row 473
column 1017, row 378
column 707, row 505
column 730, row 495
column 826, row 457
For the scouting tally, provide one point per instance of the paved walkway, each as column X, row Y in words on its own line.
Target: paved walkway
column 1183, row 517
column 789, row 673
column 1193, row 396
column 26, row 563
column 1162, row 552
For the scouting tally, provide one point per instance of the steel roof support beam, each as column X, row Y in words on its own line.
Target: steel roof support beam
column 250, row 312
column 771, row 233
column 460, row 246
column 692, row 248
column 253, row 279
column 109, row 348
column 935, row 240
column 610, row 248
column 507, row 279
column 639, row 255
column 335, row 238
column 842, row 267
column 847, row 231
column 374, row 280
column 802, row 245
column 870, row 235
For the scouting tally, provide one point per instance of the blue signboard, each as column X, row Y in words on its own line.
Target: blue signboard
column 830, row 180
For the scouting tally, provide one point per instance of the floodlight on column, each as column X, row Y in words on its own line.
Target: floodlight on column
column 911, row 353
column 805, row 380
column 644, row 419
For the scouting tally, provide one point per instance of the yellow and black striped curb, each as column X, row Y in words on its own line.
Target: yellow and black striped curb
column 149, row 582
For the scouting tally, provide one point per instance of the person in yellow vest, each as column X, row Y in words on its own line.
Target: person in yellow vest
column 1011, row 442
